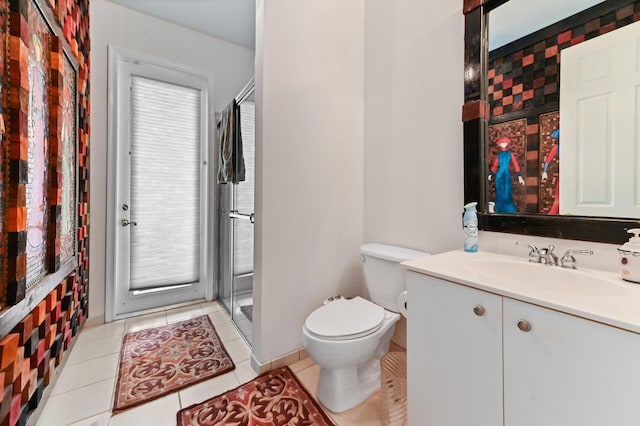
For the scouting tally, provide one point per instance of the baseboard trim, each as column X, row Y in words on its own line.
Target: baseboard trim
column 281, row 361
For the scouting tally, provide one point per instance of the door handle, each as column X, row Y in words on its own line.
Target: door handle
column 125, row 222
column 234, row 214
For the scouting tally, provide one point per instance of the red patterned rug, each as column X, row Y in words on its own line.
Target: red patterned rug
column 274, row 398
column 165, row 359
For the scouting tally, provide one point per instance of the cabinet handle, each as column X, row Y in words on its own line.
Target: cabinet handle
column 479, row 310
column 524, row 325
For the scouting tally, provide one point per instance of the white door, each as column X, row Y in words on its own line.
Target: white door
column 599, row 126
column 158, row 202
column 454, row 357
column 568, row 371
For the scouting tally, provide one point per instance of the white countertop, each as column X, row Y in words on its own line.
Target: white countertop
column 595, row 295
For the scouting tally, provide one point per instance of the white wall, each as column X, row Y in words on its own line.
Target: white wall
column 359, row 139
column 309, row 133
column 413, row 187
column 605, row 256
column 232, row 66
column 413, row 174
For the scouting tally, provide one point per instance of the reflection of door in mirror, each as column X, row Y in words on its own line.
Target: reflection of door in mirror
column 600, row 120
column 524, row 84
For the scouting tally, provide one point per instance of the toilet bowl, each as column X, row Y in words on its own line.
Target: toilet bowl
column 349, row 361
column 347, row 337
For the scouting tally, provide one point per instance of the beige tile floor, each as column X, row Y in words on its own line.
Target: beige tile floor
column 82, row 395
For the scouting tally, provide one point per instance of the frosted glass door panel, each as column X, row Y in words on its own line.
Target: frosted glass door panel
column 165, row 184
column 243, row 194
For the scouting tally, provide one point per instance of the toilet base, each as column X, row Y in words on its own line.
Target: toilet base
column 349, row 369
column 340, row 389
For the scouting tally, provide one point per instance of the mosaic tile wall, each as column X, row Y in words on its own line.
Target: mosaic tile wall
column 525, row 82
column 530, row 76
column 3, row 50
column 31, row 352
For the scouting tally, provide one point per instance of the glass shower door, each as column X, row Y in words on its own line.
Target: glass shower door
column 236, row 233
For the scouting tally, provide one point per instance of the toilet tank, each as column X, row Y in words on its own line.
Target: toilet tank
column 383, row 275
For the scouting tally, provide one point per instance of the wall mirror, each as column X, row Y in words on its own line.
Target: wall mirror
column 516, row 91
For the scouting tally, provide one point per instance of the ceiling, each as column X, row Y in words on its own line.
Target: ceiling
column 518, row 18
column 234, row 20
column 230, row 20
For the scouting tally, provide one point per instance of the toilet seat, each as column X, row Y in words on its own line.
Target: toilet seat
column 345, row 319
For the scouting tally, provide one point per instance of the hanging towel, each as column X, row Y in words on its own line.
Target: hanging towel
column 230, row 158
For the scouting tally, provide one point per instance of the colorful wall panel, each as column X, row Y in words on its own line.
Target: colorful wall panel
column 44, row 181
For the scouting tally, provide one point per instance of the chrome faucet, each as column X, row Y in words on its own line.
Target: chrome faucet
column 568, row 261
column 547, row 256
column 534, row 254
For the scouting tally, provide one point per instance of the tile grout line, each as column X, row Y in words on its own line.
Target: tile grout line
column 84, row 386
column 114, row 377
column 92, row 359
column 88, row 417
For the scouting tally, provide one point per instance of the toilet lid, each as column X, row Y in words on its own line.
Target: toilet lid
column 345, row 318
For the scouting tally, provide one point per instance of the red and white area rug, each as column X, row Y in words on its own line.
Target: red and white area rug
column 274, row 398
column 165, row 359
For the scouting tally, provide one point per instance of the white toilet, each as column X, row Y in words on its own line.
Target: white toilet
column 347, row 337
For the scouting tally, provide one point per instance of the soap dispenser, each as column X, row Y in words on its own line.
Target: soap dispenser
column 630, row 257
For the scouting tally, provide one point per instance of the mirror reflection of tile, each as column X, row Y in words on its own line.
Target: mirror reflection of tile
column 524, row 86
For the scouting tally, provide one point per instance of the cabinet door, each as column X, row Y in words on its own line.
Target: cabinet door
column 454, row 354
column 568, row 371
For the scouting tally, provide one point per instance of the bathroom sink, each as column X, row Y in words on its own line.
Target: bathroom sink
column 552, row 279
column 597, row 295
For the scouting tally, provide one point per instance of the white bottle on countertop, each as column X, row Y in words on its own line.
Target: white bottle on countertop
column 470, row 223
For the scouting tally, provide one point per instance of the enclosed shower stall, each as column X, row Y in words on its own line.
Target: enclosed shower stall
column 235, row 226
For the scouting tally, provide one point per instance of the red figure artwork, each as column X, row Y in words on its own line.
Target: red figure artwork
column 500, row 170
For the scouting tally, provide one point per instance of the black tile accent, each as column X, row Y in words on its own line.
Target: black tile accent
column 37, row 395
column 31, row 345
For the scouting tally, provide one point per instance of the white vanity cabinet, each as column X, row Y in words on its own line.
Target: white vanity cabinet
column 568, row 370
column 513, row 363
column 454, row 354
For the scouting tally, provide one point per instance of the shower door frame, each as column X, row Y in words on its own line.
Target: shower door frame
column 226, row 252
column 227, row 215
